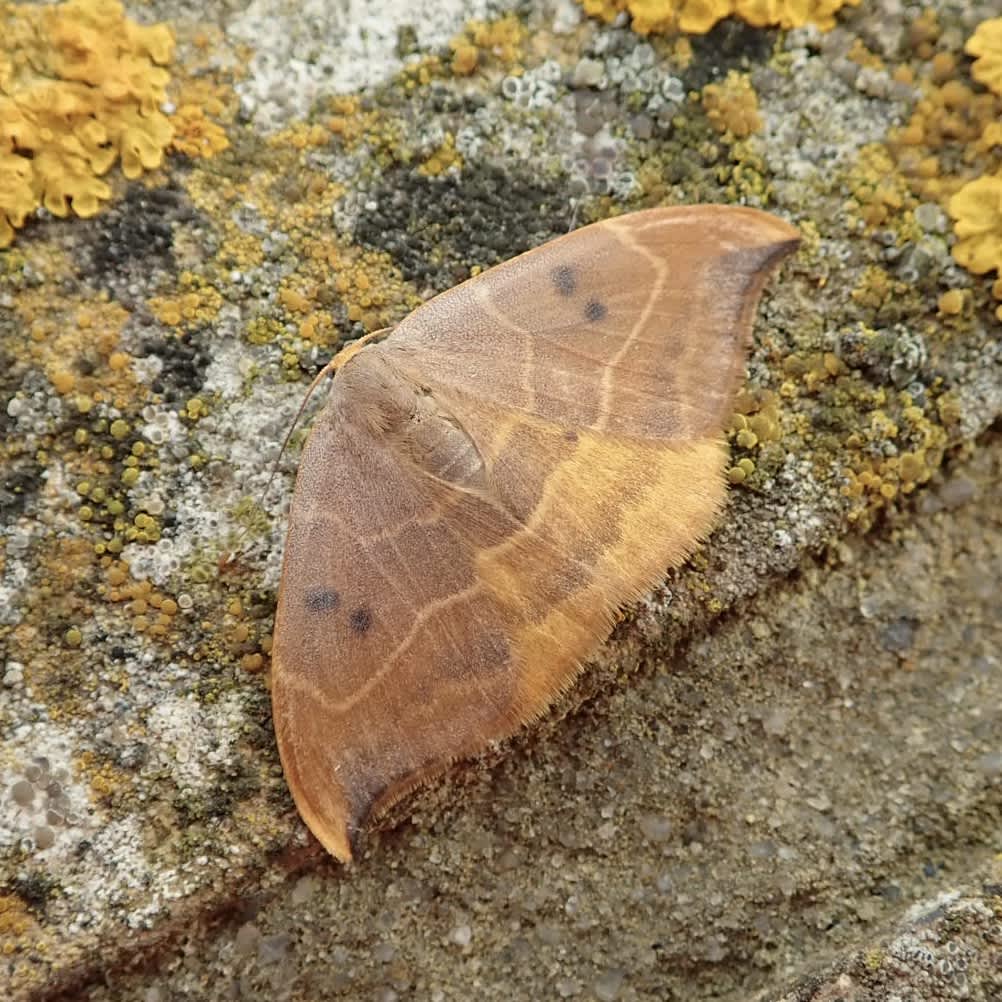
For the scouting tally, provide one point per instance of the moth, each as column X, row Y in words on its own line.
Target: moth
column 490, row 483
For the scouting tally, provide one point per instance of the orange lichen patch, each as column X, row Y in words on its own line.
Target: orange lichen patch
column 875, row 482
column 318, row 328
column 373, row 289
column 198, row 303
column 482, row 43
column 862, row 56
column 74, row 342
column 301, row 136
column 951, row 303
column 878, row 190
column 663, row 16
column 875, row 288
column 986, row 46
column 421, row 72
column 464, row 57
column 59, row 592
column 80, row 88
column 953, row 132
column 732, row 106
column 204, row 106
column 195, row 134
column 315, row 326
column 16, row 921
column 293, row 300
column 150, row 611
column 923, row 33
column 757, row 412
column 107, row 780
column 812, row 370
column 697, row 17
column 946, row 114
column 194, row 410
column 347, row 119
column 977, row 211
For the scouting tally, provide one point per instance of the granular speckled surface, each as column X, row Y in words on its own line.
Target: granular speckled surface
column 728, row 823
column 327, row 167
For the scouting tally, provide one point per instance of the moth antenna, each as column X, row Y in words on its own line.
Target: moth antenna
column 574, row 214
column 343, row 356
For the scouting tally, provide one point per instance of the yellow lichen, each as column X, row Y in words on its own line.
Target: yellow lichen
column 15, row 919
column 444, row 158
column 697, row 17
column 954, row 132
column 792, row 13
column 482, row 42
column 197, row 304
column 986, row 45
column 80, row 88
column 879, row 192
column 195, row 134
column 732, row 105
column 951, row 303
column 977, row 211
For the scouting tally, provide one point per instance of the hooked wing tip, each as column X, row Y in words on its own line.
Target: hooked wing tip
column 336, row 834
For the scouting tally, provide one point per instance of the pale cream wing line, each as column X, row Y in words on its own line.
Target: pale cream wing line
column 387, row 535
column 344, row 705
column 425, row 613
column 608, row 372
column 504, row 320
column 382, row 536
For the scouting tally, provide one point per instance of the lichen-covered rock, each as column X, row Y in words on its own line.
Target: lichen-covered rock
column 153, row 356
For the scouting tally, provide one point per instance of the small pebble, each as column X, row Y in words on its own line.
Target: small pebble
column 608, row 985
column 958, row 491
column 272, row 949
column 383, row 953
column 655, row 828
column 588, row 73
column 462, row 935
column 23, row 793
column 246, row 939
column 566, row 988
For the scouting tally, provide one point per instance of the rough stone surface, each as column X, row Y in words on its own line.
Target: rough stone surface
column 778, row 754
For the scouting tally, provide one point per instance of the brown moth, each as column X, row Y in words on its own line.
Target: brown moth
column 485, row 487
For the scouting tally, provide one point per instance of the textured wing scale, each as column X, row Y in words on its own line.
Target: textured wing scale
column 465, row 525
column 634, row 325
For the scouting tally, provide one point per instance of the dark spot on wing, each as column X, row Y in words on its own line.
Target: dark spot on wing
column 570, row 435
column 361, row 619
column 564, row 280
column 322, row 600
column 595, row 311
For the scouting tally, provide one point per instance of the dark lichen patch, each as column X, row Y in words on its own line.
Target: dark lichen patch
column 595, row 311
column 361, row 620
column 138, row 232
column 322, row 600
column 18, row 486
column 731, row 45
column 35, row 889
column 184, row 361
column 435, row 228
